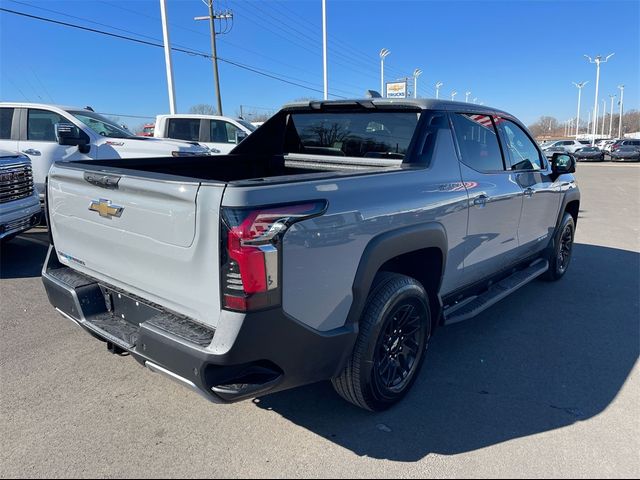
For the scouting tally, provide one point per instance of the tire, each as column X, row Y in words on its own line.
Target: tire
column 385, row 362
column 560, row 257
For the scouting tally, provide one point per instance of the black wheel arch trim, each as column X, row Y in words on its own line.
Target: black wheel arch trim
column 568, row 197
column 387, row 246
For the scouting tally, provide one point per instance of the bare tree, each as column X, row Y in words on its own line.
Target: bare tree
column 203, row 109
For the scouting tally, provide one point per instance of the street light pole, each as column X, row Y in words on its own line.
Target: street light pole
column 611, row 115
column 453, row 94
column 416, row 73
column 466, row 96
column 604, row 114
column 438, row 85
column 167, row 57
column 598, row 60
column 324, row 49
column 620, row 110
column 383, row 53
column 579, row 86
column 474, row 99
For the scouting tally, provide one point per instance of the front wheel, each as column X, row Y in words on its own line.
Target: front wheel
column 562, row 250
column 394, row 333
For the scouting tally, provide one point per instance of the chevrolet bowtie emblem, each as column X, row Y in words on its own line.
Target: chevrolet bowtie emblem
column 105, row 209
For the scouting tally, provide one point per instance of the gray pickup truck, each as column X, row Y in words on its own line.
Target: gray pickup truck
column 329, row 244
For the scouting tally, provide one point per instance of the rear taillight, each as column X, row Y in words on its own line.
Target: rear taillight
column 251, row 252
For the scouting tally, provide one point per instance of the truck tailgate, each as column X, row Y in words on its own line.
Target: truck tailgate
column 155, row 239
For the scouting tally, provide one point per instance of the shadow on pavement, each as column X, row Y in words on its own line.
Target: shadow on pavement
column 23, row 256
column 548, row 356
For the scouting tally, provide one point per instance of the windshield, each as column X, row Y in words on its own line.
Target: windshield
column 247, row 125
column 356, row 134
column 99, row 124
column 590, row 149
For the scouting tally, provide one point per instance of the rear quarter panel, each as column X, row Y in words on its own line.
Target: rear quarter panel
column 321, row 255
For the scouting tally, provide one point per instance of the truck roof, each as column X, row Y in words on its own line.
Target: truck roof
column 421, row 103
column 38, row 105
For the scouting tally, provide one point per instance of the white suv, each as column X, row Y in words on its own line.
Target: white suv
column 569, row 145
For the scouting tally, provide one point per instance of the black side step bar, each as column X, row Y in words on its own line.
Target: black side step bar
column 474, row 305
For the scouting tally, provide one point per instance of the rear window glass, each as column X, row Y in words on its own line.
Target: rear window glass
column 384, row 135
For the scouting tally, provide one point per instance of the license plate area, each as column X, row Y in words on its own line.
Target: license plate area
column 127, row 307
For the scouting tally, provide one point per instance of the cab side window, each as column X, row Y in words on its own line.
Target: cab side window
column 41, row 125
column 6, row 118
column 223, row 132
column 519, row 148
column 478, row 142
column 184, row 129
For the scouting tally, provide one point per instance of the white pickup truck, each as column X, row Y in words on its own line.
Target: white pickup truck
column 32, row 129
column 219, row 134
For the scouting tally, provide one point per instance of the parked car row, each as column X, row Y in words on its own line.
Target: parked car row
column 615, row 149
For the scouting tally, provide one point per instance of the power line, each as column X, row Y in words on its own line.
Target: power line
column 221, row 40
column 177, row 49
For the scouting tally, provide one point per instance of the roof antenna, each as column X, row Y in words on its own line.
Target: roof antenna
column 89, row 108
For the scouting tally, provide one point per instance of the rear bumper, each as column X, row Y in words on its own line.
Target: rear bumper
column 245, row 356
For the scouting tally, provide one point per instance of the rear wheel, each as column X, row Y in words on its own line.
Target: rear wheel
column 563, row 249
column 394, row 333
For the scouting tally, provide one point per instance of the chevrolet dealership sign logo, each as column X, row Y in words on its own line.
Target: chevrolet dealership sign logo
column 105, row 209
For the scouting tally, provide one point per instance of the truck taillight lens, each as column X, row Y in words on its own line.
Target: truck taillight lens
column 251, row 252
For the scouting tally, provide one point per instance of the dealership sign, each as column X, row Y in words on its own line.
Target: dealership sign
column 397, row 89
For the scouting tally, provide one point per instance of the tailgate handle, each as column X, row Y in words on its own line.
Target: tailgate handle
column 102, row 180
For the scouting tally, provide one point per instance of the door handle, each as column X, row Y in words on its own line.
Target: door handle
column 480, row 200
column 529, row 192
column 31, row 151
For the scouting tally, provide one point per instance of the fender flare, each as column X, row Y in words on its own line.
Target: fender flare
column 389, row 245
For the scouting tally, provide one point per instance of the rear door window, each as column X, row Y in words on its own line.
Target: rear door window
column 478, row 142
column 6, row 119
column 184, row 129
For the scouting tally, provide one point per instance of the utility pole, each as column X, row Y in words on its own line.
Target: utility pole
column 438, row 85
column 167, row 57
column 383, row 54
column 579, row 86
column 466, row 96
column 416, row 73
column 620, row 110
column 611, row 115
column 324, row 49
column 453, row 94
column 598, row 60
column 212, row 17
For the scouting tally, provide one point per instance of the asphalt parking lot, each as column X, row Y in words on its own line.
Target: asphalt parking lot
column 545, row 383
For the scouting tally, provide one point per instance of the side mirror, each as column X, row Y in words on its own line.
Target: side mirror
column 562, row 163
column 240, row 136
column 70, row 135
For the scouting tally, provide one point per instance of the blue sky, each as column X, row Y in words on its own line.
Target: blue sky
column 520, row 56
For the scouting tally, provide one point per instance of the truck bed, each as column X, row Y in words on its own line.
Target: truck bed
column 238, row 168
